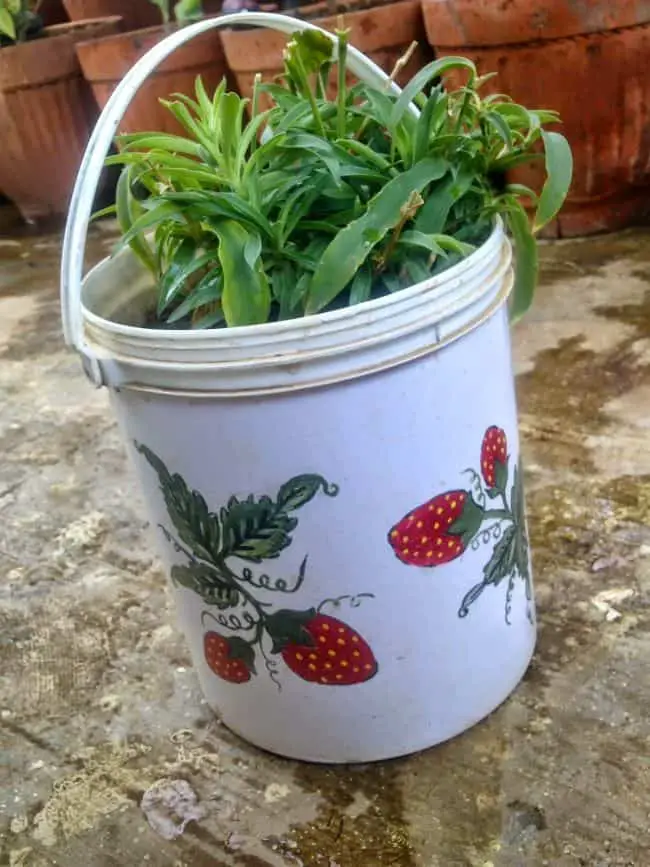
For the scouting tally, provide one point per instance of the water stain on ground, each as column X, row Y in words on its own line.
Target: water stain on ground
column 362, row 821
column 566, row 393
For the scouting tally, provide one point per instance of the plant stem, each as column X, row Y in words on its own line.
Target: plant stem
column 341, row 97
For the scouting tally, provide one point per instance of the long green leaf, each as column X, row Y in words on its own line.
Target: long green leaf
column 433, row 216
column 559, row 171
column 125, row 213
column 526, row 262
column 145, row 141
column 204, row 293
column 352, row 245
column 245, row 297
column 420, row 80
column 184, row 266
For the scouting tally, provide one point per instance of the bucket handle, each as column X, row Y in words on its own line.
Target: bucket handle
column 81, row 202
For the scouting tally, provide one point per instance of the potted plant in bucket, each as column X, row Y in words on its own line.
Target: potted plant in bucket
column 305, row 334
column 46, row 109
column 106, row 61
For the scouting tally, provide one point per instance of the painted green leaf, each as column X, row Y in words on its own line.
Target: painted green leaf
column 288, row 627
column 503, row 559
column 519, row 511
column 239, row 648
column 559, row 170
column 301, row 489
column 350, row 248
column 188, row 511
column 469, row 522
column 207, row 582
column 255, row 530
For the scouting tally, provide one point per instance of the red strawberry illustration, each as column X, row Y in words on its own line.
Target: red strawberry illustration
column 231, row 659
column 438, row 531
column 321, row 649
column 494, row 458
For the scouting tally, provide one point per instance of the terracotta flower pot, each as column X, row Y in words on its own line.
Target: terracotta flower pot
column 106, row 61
column 135, row 14
column 382, row 32
column 52, row 12
column 587, row 61
column 46, row 114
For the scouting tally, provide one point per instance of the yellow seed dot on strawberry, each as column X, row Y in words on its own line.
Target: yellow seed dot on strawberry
column 405, row 539
column 344, row 663
column 436, row 526
column 439, row 510
column 424, row 540
column 355, row 638
column 356, row 669
column 331, row 653
column 405, row 551
column 429, row 553
column 339, row 677
column 431, row 508
column 324, row 680
column 325, row 626
column 450, row 543
column 311, row 666
column 453, row 504
column 420, row 524
column 368, row 667
column 438, row 541
column 299, row 657
column 355, row 653
column 340, row 642
column 328, row 665
column 439, row 555
column 393, row 535
column 322, row 639
column 313, row 656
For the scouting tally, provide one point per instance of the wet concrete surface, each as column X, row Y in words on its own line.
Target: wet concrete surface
column 98, row 700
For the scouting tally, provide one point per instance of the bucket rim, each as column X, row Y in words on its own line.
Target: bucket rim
column 446, row 280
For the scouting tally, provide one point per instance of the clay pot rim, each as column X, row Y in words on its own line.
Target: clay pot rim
column 60, row 32
column 42, row 61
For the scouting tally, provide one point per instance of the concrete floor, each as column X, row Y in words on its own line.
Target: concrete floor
column 98, row 700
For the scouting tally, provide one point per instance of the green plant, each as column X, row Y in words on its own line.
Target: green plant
column 19, row 20
column 317, row 203
column 184, row 10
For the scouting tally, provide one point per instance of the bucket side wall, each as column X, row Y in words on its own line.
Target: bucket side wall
column 391, row 442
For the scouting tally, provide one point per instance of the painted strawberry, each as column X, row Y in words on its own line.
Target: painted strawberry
column 438, row 531
column 231, row 659
column 321, row 649
column 494, row 458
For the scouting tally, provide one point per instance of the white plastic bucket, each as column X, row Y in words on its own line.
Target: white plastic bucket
column 337, row 498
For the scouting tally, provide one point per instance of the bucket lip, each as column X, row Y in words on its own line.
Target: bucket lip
column 304, row 324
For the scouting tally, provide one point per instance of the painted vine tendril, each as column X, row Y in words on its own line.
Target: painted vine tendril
column 490, row 511
column 241, row 622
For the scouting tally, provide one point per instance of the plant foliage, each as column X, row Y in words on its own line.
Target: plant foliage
column 19, row 21
column 253, row 216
